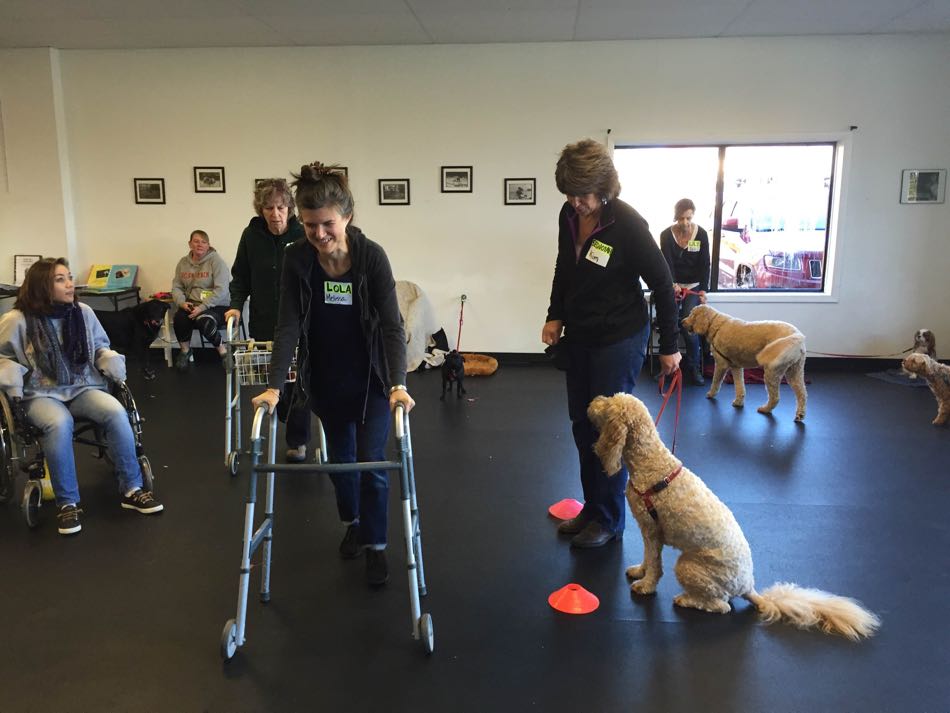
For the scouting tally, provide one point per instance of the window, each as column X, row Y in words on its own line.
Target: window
column 766, row 207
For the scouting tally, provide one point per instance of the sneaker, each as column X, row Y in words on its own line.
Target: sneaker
column 574, row 525
column 143, row 501
column 377, row 571
column 297, row 455
column 68, row 517
column 350, row 547
column 181, row 361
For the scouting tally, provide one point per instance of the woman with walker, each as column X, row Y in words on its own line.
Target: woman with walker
column 604, row 248
column 685, row 246
column 338, row 307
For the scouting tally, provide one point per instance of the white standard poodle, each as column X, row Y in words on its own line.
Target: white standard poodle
column 674, row 507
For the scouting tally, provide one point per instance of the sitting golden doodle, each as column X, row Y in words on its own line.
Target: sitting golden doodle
column 924, row 343
column 674, row 507
column 777, row 347
column 937, row 376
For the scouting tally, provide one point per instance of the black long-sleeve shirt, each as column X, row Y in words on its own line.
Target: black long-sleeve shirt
column 687, row 266
column 598, row 295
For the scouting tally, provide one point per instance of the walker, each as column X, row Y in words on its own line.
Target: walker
column 250, row 360
column 232, row 636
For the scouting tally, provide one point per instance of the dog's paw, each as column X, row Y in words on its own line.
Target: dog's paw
column 715, row 606
column 739, row 403
column 643, row 587
column 711, row 394
column 636, row 571
column 148, row 374
column 800, row 416
column 764, row 409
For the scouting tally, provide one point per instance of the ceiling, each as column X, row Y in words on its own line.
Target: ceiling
column 140, row 24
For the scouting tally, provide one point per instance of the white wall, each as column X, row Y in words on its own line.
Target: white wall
column 507, row 110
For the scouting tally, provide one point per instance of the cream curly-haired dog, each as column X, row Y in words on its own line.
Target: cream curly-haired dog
column 674, row 507
column 937, row 376
column 778, row 347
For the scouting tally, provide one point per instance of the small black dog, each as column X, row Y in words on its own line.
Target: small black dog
column 132, row 330
column 453, row 369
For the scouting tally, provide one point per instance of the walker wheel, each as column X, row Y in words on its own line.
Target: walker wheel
column 229, row 639
column 148, row 478
column 427, row 632
column 233, row 459
column 32, row 496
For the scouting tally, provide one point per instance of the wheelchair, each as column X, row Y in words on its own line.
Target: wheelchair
column 20, row 451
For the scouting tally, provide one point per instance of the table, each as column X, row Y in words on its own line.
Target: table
column 114, row 296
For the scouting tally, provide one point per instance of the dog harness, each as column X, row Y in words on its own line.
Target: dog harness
column 656, row 488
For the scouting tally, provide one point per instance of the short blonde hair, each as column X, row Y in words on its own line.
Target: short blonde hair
column 586, row 167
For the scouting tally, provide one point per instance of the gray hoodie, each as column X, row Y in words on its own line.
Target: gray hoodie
column 204, row 282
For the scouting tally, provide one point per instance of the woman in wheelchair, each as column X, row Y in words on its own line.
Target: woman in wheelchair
column 54, row 364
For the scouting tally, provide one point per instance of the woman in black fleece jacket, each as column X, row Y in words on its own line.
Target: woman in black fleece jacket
column 338, row 307
column 604, row 248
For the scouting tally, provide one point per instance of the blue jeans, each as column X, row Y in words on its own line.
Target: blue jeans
column 362, row 495
column 601, row 371
column 691, row 338
column 55, row 420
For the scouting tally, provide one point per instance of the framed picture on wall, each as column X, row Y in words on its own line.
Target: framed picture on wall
column 22, row 263
column 149, row 190
column 394, row 191
column 924, row 185
column 456, row 179
column 209, row 179
column 519, row 191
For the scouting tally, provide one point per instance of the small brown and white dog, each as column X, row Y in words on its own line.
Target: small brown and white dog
column 777, row 347
column 924, row 343
column 937, row 376
column 674, row 507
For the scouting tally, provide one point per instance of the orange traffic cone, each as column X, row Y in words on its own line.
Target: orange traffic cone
column 573, row 599
column 565, row 509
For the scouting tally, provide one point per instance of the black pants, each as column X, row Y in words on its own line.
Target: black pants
column 208, row 322
column 296, row 415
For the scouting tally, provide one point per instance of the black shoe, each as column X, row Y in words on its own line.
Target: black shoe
column 181, row 361
column 574, row 525
column 350, row 547
column 143, row 501
column 377, row 571
column 68, row 517
column 296, row 455
column 694, row 377
column 594, row 535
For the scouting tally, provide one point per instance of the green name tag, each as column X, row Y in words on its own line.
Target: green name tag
column 599, row 253
column 337, row 293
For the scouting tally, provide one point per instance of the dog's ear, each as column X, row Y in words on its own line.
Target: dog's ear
column 608, row 416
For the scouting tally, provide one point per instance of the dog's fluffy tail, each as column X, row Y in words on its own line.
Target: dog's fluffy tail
column 814, row 609
column 783, row 351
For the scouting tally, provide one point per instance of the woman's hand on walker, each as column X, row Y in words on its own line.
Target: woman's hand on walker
column 401, row 396
column 268, row 398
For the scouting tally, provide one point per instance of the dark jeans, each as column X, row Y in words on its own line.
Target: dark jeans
column 208, row 322
column 601, row 371
column 691, row 339
column 362, row 495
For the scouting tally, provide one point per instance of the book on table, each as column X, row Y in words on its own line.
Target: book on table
column 109, row 278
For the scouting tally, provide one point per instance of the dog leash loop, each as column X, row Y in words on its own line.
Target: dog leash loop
column 676, row 384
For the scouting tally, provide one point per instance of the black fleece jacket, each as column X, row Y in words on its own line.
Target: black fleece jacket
column 379, row 312
column 599, row 303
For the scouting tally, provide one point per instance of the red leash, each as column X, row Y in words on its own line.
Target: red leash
column 461, row 312
column 676, row 384
column 686, row 291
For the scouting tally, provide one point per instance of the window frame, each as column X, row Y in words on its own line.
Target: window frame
column 840, row 144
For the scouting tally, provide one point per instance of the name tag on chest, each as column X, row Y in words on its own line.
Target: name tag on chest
column 599, row 253
column 337, row 293
column 692, row 246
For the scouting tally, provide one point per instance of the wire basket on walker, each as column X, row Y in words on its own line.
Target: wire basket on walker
column 250, row 360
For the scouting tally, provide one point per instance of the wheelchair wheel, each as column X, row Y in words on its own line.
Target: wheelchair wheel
column 148, row 479
column 32, row 498
column 7, row 470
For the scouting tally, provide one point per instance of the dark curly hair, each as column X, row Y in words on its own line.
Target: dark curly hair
column 318, row 186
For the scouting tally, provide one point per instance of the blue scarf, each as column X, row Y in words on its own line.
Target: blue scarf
column 65, row 361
